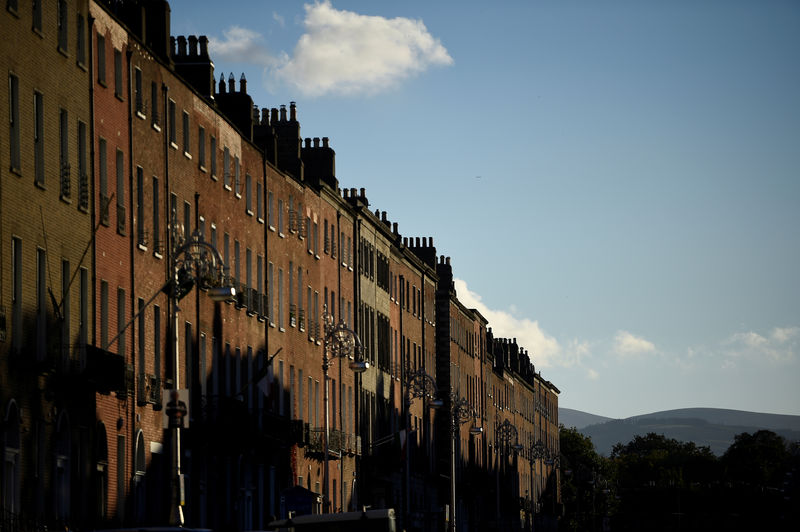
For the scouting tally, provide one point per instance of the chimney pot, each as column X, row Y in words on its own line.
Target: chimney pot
column 325, row 142
column 283, row 113
column 274, row 116
column 447, row 261
column 182, row 46
column 293, row 111
column 307, row 142
column 193, row 45
column 172, row 46
column 353, row 193
column 417, row 242
column 405, row 241
column 221, row 83
column 383, row 216
column 316, row 142
column 430, row 241
column 394, row 228
column 424, row 242
column 255, row 114
column 264, row 116
column 363, row 192
column 243, row 84
column 231, row 83
column 203, row 40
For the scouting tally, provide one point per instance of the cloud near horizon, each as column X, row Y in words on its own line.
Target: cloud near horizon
column 545, row 350
column 346, row 53
column 627, row 345
column 242, row 45
column 778, row 346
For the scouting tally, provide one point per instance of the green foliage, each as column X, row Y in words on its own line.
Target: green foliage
column 659, row 483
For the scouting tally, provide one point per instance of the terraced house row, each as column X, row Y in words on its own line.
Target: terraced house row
column 118, row 146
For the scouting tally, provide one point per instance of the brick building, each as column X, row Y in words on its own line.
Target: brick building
column 122, row 145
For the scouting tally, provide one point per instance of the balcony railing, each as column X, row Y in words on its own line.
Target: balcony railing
column 105, row 202
column 120, row 218
column 66, row 181
column 83, row 191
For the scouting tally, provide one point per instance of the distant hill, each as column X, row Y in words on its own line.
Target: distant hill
column 713, row 427
column 575, row 418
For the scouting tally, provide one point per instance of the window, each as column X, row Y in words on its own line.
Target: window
column 13, row 115
column 300, row 394
column 141, row 234
column 201, row 147
column 280, row 298
column 270, row 292
column 62, row 25
column 83, row 311
column 41, row 303
column 270, row 210
column 118, row 73
column 63, row 123
column 101, row 60
column 156, row 218
column 260, row 202
column 16, row 293
column 237, row 180
column 37, row 15
column 103, row 180
column 173, row 132
column 83, row 174
column 120, row 192
column 81, row 40
column 280, row 216
column 213, row 149
column 248, row 193
column 186, row 139
column 157, row 341
column 137, row 92
column 121, row 321
column 38, row 138
column 237, row 272
column 226, row 167
column 154, row 119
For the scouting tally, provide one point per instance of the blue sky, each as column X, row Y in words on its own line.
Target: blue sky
column 617, row 183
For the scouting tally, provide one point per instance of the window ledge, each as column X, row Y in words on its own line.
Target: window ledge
column 187, row 155
column 141, row 115
column 173, row 145
column 156, row 127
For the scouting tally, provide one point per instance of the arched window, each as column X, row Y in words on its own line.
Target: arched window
column 9, row 472
column 61, row 484
column 101, row 473
column 139, row 493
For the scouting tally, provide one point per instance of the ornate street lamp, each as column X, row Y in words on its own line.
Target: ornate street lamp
column 194, row 262
column 505, row 433
column 537, row 451
column 419, row 385
column 340, row 341
column 460, row 413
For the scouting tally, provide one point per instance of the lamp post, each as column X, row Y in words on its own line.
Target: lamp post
column 460, row 413
column 418, row 385
column 504, row 433
column 537, row 451
column 194, row 262
column 340, row 341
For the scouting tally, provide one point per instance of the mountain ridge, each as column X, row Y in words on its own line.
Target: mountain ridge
column 712, row 427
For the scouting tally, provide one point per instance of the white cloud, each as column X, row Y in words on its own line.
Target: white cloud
column 279, row 19
column 628, row 345
column 779, row 345
column 243, row 46
column 545, row 350
column 342, row 52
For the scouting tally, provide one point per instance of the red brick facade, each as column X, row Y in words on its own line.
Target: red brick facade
column 94, row 229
